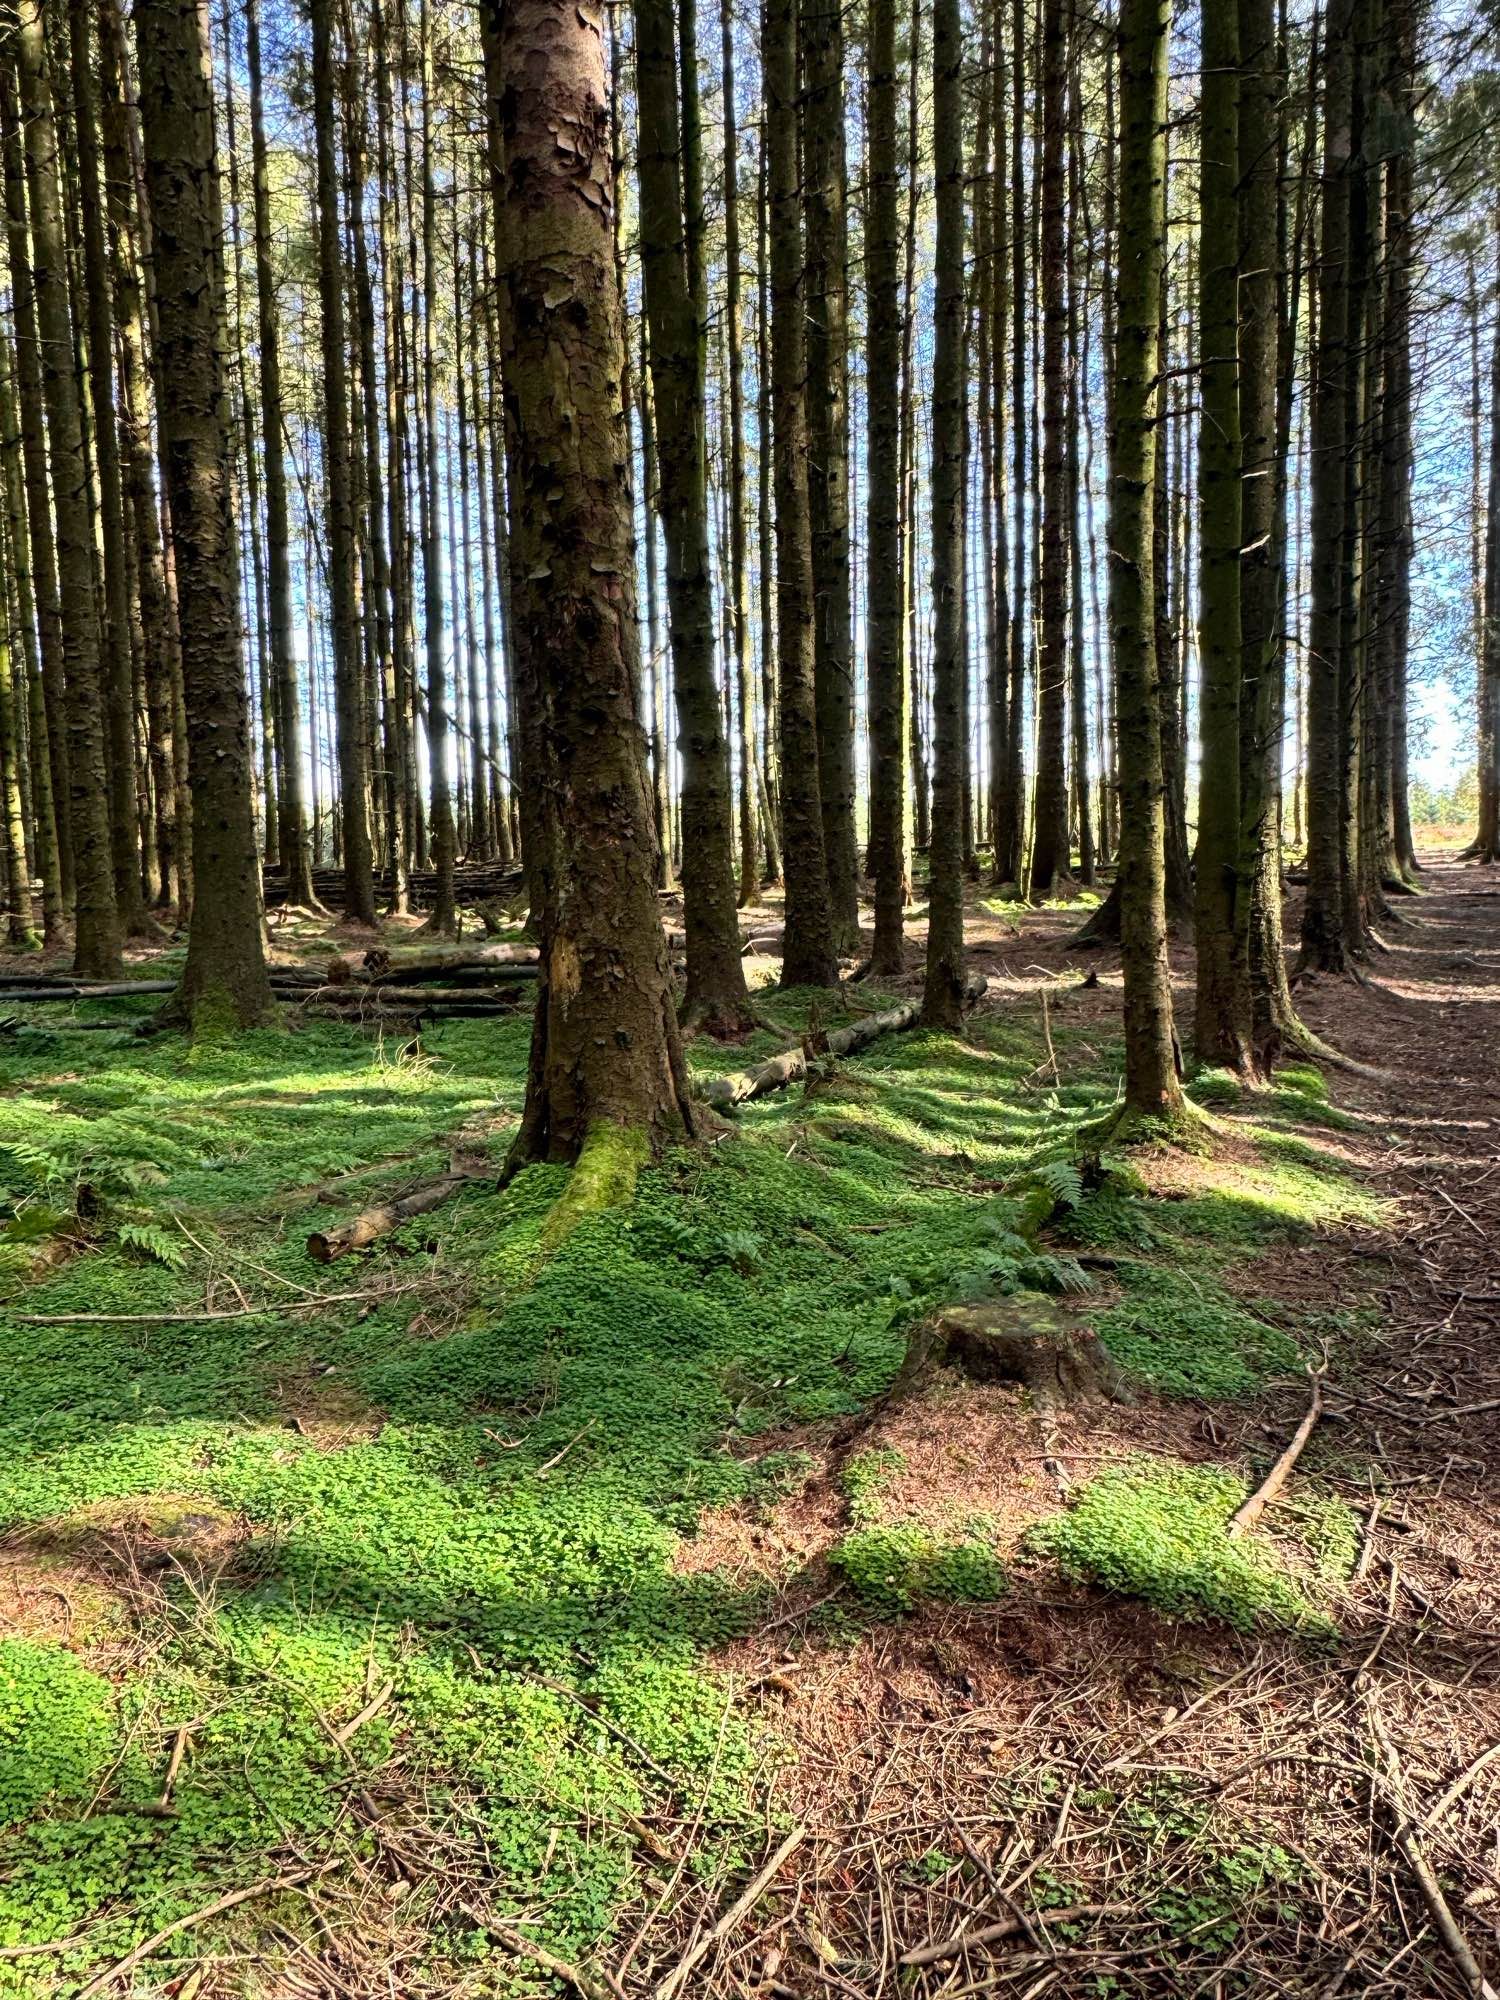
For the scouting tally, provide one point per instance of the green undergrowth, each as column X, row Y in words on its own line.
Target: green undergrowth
column 469, row 1480
column 1155, row 1530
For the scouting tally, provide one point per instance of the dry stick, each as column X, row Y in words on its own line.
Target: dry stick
column 1017, row 1926
column 325, row 1246
column 198, row 1318
column 1462, row 1783
column 1412, row 1852
column 272, row 1885
column 1246, row 1516
column 371, row 1709
column 737, row 1911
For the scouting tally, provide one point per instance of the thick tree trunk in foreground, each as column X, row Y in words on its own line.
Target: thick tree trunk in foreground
column 716, row 997
column 1152, row 1090
column 606, row 1083
column 884, row 609
column 97, row 924
column 224, row 980
column 1220, row 911
column 808, row 957
column 943, row 994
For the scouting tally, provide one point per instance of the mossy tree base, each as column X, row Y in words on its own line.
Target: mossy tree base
column 609, row 1165
column 1029, row 1340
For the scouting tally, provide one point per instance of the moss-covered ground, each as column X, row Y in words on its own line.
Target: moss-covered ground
column 439, row 1614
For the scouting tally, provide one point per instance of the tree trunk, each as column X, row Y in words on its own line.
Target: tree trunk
column 606, row 1082
column 1323, row 947
column 118, row 684
column 97, row 924
column 31, row 436
column 1078, row 308
column 808, row 955
column 716, row 998
column 224, row 981
column 296, row 851
column 1220, row 913
column 444, row 917
column 1152, row 1090
column 1262, row 533
column 736, row 498
column 348, row 670
column 17, row 546
column 827, row 306
column 943, row 993
column 884, row 610
column 1050, row 858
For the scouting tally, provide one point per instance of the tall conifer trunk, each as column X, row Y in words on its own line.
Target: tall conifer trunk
column 96, row 916
column 606, row 1081
column 1050, row 858
column 943, row 992
column 1222, row 1017
column 716, row 998
column 1152, row 1090
column 885, row 613
column 224, row 979
column 808, row 955
column 824, row 174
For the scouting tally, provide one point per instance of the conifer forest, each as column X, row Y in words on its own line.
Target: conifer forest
column 749, row 999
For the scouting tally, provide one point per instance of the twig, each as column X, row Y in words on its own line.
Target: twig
column 1415, row 1857
column 561, row 1968
column 1246, row 1516
column 1016, row 1926
column 737, row 1911
column 272, row 1885
column 1462, row 1783
column 198, row 1318
column 371, row 1709
column 557, row 1457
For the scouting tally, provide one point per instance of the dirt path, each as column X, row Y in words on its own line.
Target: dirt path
column 1200, row 1808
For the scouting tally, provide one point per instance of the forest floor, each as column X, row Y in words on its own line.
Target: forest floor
column 467, row 1621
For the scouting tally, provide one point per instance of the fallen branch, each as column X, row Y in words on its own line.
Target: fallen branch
column 326, row 1246
column 1017, row 1926
column 1409, row 1845
column 738, row 1910
column 1246, row 1516
column 271, row 1886
column 792, row 1066
column 309, row 1304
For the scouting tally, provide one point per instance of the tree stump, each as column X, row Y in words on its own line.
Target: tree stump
column 1028, row 1339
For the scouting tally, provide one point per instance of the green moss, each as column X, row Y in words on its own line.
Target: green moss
column 895, row 1567
column 1156, row 1530
column 544, row 1423
column 605, row 1175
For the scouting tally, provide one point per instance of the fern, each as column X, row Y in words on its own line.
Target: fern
column 153, row 1242
column 1062, row 1180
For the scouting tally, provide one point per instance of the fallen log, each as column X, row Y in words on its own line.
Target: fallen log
column 327, row 1246
column 743, row 1085
column 412, row 999
column 115, row 989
